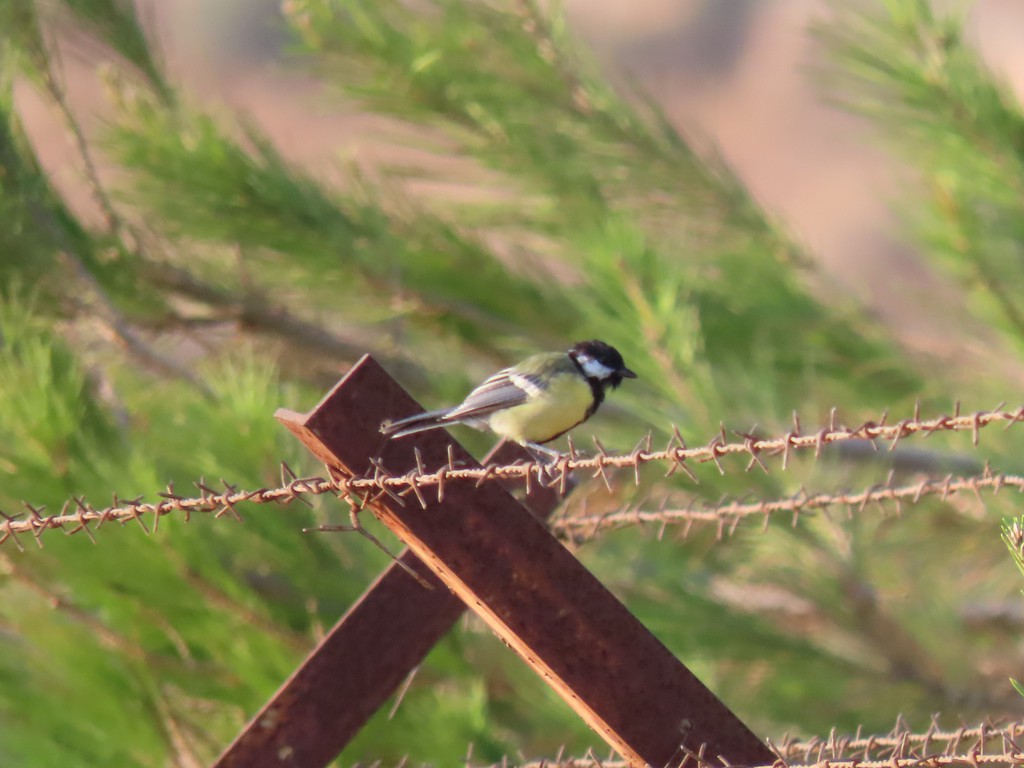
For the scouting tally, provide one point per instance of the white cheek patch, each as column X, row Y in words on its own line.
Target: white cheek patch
column 594, row 369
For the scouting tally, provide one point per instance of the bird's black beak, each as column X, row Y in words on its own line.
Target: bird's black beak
column 626, row 373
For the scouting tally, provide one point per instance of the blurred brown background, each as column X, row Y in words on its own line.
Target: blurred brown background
column 734, row 74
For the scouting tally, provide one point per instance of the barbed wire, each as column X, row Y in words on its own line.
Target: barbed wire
column 677, row 453
column 985, row 744
column 987, row 739
column 728, row 514
column 77, row 514
column 967, row 759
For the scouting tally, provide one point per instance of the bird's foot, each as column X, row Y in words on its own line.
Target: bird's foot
column 547, row 459
column 543, row 453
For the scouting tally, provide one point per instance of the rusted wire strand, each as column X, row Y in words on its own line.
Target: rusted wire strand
column 677, row 455
column 727, row 515
column 967, row 759
column 77, row 515
column 986, row 744
column 989, row 739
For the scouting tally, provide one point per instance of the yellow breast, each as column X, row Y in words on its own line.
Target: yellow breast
column 550, row 413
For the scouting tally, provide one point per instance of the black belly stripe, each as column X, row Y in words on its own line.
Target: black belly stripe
column 559, row 434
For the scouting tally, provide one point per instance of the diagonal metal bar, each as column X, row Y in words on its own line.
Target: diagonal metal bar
column 503, row 563
column 362, row 661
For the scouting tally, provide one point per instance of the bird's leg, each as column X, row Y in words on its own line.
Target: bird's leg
column 546, row 457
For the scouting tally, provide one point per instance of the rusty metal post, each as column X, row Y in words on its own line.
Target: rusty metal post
column 503, row 563
column 362, row 661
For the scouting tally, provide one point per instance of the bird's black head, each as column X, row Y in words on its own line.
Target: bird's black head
column 601, row 363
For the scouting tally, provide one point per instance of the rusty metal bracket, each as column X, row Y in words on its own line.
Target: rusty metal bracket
column 501, row 561
column 363, row 660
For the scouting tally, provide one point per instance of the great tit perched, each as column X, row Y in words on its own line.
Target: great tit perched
column 534, row 402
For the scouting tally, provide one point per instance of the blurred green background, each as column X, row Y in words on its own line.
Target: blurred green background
column 452, row 186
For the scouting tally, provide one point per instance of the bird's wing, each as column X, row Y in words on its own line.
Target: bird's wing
column 504, row 389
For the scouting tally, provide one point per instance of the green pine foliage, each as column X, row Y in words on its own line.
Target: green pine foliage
column 223, row 281
column 1013, row 535
column 910, row 67
column 638, row 216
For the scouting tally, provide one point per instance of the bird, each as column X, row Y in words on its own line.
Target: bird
column 535, row 401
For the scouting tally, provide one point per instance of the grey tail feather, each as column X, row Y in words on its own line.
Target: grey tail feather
column 419, row 422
